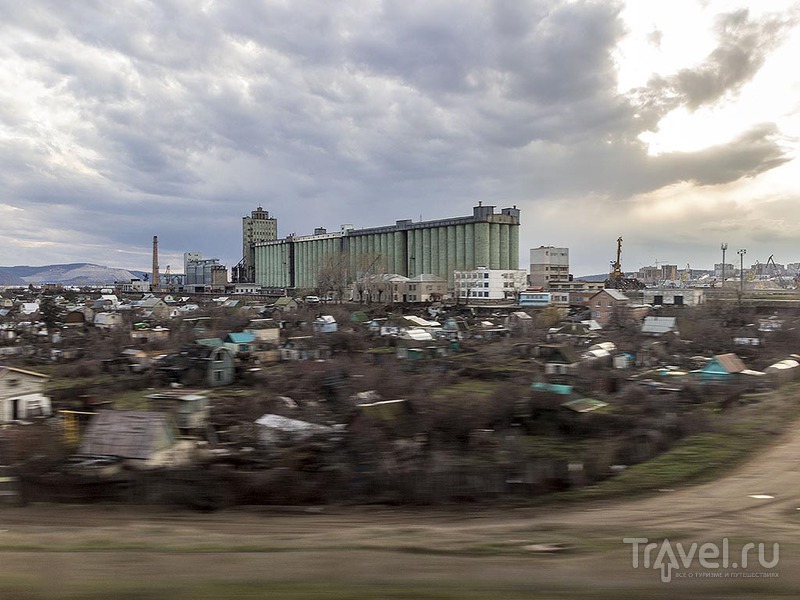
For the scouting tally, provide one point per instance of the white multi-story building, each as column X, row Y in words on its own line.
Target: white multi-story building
column 549, row 265
column 490, row 284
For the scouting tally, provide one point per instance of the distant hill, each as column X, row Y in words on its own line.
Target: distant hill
column 70, row 274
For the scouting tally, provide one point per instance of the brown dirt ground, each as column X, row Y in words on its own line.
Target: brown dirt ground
column 67, row 551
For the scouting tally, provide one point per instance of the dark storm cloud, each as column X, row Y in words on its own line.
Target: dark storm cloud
column 177, row 117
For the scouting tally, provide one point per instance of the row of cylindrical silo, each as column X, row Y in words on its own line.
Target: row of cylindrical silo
column 461, row 247
column 439, row 250
column 273, row 263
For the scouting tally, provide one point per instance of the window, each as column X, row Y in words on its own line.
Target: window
column 486, row 276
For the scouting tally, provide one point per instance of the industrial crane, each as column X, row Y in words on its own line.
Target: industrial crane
column 616, row 278
column 777, row 273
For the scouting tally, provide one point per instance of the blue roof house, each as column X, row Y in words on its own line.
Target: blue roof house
column 723, row 368
column 240, row 342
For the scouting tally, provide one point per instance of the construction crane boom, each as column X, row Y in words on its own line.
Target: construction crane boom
column 616, row 278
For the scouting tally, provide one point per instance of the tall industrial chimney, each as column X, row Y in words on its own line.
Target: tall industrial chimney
column 154, row 280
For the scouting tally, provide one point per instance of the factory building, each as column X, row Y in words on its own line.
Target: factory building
column 189, row 257
column 201, row 271
column 484, row 239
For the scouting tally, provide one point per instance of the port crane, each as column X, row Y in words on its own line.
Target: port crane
column 616, row 278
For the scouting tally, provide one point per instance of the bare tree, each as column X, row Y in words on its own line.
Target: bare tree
column 332, row 277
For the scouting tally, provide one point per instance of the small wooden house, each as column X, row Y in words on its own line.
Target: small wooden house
column 22, row 395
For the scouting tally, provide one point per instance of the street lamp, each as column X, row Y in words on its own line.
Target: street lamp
column 741, row 254
column 723, row 247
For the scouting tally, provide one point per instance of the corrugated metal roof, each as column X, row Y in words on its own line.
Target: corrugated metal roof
column 583, row 405
column 419, row 321
column 287, row 424
column 417, row 335
column 241, row 338
column 784, row 364
column 563, row 390
column 127, row 434
column 659, row 325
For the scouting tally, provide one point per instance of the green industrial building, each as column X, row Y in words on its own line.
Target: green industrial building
column 485, row 239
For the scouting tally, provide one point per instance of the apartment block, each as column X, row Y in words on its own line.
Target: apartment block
column 549, row 265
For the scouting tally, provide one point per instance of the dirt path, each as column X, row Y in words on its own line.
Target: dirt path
column 441, row 551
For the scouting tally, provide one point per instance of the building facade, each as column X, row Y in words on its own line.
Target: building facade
column 673, row 296
column 605, row 303
column 484, row 239
column 258, row 227
column 549, row 266
column 490, row 284
column 657, row 275
column 540, row 299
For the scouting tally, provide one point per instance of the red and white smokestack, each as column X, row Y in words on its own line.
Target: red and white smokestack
column 154, row 280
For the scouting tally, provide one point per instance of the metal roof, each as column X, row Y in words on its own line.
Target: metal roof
column 241, row 338
column 659, row 325
column 583, row 405
column 127, row 434
column 427, row 277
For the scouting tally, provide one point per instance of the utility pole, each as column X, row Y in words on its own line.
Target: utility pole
column 741, row 254
column 723, row 248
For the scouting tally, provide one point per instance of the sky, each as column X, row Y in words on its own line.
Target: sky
column 675, row 125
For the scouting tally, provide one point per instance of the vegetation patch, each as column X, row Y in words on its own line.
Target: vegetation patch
column 705, row 456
